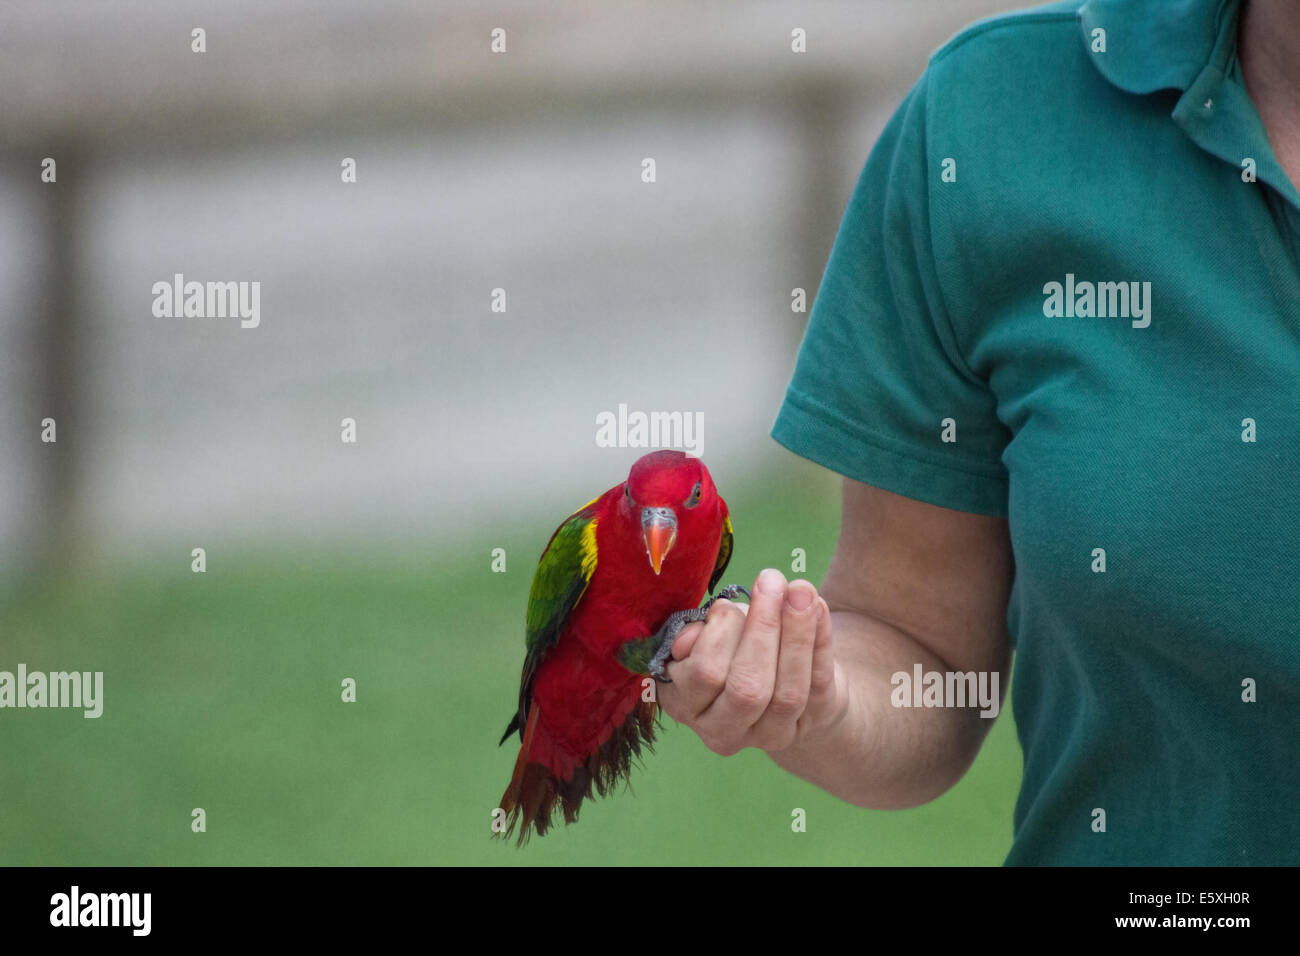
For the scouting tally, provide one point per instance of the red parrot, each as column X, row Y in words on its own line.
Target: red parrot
column 606, row 603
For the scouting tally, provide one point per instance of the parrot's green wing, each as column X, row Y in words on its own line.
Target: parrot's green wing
column 562, row 576
column 724, row 554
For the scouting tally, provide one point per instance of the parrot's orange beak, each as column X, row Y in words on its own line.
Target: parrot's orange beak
column 659, row 530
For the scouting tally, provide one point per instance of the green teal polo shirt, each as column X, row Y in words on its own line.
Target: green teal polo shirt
column 1059, row 295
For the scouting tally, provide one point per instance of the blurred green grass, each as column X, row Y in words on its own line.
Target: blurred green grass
column 222, row 691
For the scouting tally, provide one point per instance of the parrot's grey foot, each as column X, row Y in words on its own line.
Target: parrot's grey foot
column 730, row 592
column 677, row 621
column 667, row 634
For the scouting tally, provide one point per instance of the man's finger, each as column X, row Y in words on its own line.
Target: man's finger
column 691, row 633
column 699, row 676
column 686, row 640
column 822, row 691
column 752, row 673
column 775, row 730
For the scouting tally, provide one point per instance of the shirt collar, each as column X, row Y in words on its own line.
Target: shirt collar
column 1190, row 46
column 1154, row 44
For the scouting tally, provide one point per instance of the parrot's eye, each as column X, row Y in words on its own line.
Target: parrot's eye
column 627, row 493
column 694, row 499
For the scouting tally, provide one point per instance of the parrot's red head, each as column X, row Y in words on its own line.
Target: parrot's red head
column 672, row 498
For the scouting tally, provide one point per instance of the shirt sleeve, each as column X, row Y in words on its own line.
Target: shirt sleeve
column 880, row 371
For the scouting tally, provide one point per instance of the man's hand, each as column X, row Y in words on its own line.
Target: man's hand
column 763, row 676
column 910, row 583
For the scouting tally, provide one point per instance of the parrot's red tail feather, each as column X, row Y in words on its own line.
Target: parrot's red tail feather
column 546, row 774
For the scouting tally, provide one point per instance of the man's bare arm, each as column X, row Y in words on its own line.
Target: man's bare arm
column 909, row 583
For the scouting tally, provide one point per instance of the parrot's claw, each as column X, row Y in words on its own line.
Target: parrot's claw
column 730, row 592
column 677, row 621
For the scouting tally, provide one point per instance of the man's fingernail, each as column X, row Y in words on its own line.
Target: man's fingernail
column 799, row 599
column 771, row 581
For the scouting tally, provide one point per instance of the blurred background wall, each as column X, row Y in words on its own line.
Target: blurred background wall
column 475, row 171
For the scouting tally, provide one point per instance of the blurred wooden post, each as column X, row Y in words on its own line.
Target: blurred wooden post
column 59, row 383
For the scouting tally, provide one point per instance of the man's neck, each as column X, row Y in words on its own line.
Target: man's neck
column 1268, row 46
